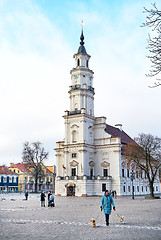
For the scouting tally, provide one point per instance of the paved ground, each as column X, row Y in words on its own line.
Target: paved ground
column 70, row 219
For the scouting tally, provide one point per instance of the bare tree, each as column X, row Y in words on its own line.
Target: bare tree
column 153, row 20
column 145, row 152
column 34, row 154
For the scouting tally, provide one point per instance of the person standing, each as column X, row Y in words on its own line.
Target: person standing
column 49, row 194
column 106, row 203
column 26, row 195
column 114, row 193
column 51, row 201
column 43, row 199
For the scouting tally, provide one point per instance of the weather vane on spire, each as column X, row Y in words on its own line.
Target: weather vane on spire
column 82, row 24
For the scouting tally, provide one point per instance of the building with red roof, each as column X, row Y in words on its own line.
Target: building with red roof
column 90, row 159
column 27, row 181
column 8, row 180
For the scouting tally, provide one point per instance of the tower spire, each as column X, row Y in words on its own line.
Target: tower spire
column 81, row 48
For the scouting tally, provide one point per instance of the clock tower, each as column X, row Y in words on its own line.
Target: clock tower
column 88, row 155
column 81, row 90
column 78, row 145
column 90, row 158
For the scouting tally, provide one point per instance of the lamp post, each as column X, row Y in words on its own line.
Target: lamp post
column 132, row 178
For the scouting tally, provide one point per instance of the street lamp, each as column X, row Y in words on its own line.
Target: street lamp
column 132, row 178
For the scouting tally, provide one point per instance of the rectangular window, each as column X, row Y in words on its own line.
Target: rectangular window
column 128, row 173
column 105, row 172
column 123, row 173
column 142, row 189
column 74, row 155
column 14, row 179
column 141, row 174
column 156, row 188
column 91, row 172
column 103, row 187
column 137, row 175
column 124, row 189
column 73, row 171
column 160, row 173
column 129, row 188
column 4, row 179
column 146, row 189
column 138, row 188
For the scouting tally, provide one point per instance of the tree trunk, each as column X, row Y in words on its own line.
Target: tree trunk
column 36, row 178
column 151, row 189
column 35, row 187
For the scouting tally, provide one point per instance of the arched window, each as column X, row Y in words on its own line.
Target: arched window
column 91, row 137
column 78, row 62
column 76, row 106
column 84, row 86
column 74, row 136
column 87, row 63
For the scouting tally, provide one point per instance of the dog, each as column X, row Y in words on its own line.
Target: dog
column 122, row 219
column 93, row 222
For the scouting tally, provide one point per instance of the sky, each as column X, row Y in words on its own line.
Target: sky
column 37, row 41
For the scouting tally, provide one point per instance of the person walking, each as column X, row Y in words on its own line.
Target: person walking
column 42, row 199
column 106, row 203
column 115, row 193
column 26, row 195
column 49, row 194
column 51, row 201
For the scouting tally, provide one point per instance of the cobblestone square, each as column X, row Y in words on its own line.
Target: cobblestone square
column 70, row 218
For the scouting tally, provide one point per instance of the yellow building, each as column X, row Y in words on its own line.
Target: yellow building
column 25, row 176
column 27, row 180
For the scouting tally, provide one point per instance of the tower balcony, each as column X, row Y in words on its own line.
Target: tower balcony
column 78, row 86
column 90, row 88
column 75, row 87
column 85, row 177
column 76, row 111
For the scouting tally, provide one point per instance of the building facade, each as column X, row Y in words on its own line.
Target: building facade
column 89, row 159
column 27, row 181
column 8, row 180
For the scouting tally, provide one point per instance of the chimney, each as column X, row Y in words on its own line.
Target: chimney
column 11, row 163
column 119, row 126
column 3, row 167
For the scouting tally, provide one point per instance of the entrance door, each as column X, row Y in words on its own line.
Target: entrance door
column 70, row 191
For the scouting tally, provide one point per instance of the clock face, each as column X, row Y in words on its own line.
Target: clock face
column 90, row 80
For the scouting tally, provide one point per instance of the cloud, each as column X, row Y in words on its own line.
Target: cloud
column 36, row 57
column 35, row 64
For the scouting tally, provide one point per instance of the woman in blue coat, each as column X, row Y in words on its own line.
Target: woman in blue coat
column 106, row 203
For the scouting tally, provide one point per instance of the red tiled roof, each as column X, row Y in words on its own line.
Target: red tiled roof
column 48, row 171
column 116, row 132
column 4, row 170
column 23, row 167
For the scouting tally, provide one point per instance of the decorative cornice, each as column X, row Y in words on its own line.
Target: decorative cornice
column 73, row 163
column 105, row 164
column 91, row 164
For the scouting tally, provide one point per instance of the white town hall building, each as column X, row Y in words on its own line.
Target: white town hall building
column 89, row 159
